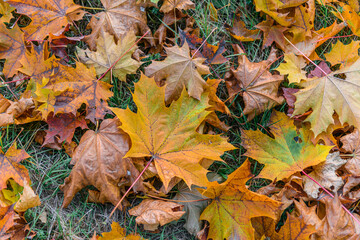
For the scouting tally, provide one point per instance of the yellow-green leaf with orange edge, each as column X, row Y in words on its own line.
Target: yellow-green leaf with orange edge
column 285, row 154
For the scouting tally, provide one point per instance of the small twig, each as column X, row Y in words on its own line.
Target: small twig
column 132, row 185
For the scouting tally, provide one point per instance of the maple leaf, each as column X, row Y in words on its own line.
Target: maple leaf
column 270, row 7
column 99, row 161
column 337, row 223
column 152, row 213
column 233, row 205
column 62, row 127
column 28, row 199
column 12, row 48
column 350, row 16
column 10, row 166
column 257, row 86
column 303, row 22
column 351, row 144
column 108, row 52
column 241, row 33
column 170, row 5
column 330, row 93
column 193, row 208
column 116, row 233
column 48, row 16
column 285, row 154
column 46, row 97
column 343, row 54
column 118, row 18
column 293, row 67
column 179, row 70
column 11, row 112
column 76, row 86
column 293, row 229
column 324, row 173
column 201, row 49
column 272, row 33
column 168, row 135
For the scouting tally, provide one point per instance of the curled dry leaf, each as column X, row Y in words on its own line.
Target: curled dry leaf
column 285, row 154
column 325, row 174
column 241, row 33
column 10, row 111
column 118, row 18
column 28, row 199
column 152, row 213
column 48, row 16
column 257, row 86
column 233, row 206
column 179, row 70
column 337, row 223
column 108, row 52
column 169, row 136
column 330, row 93
column 99, row 161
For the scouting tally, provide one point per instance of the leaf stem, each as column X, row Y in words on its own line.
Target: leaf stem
column 132, row 185
column 184, row 201
column 347, row 210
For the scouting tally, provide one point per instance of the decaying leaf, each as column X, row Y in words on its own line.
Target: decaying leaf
column 152, row 213
column 48, row 16
column 99, row 161
column 28, row 199
column 170, row 5
column 168, row 135
column 324, row 173
column 255, row 84
column 9, row 110
column 241, row 33
column 5, row 11
column 108, row 52
column 116, row 233
column 343, row 54
column 351, row 144
column 285, row 154
column 233, row 205
column 179, row 70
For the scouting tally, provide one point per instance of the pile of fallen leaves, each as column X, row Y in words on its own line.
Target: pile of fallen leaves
column 311, row 153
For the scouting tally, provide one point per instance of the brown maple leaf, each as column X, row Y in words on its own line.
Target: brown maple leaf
column 257, row 86
column 48, row 16
column 99, row 161
column 272, row 33
column 179, row 70
column 119, row 17
column 234, row 205
column 351, row 144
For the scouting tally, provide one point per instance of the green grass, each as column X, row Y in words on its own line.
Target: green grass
column 48, row 168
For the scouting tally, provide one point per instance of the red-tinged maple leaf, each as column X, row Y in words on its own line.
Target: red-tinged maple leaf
column 168, row 135
column 212, row 54
column 272, row 33
column 233, row 206
column 48, row 16
column 12, row 48
column 10, row 166
column 170, row 5
column 62, row 127
column 285, row 154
